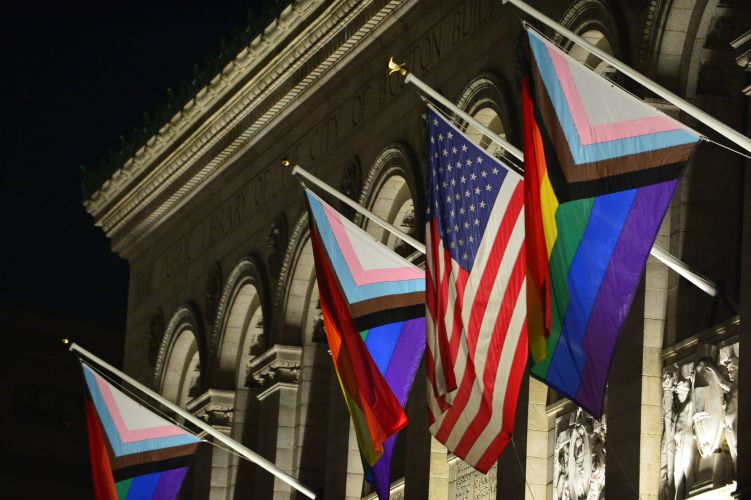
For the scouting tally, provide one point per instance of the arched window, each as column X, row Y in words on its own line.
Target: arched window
column 302, row 324
column 180, row 358
column 485, row 100
column 390, row 192
column 239, row 330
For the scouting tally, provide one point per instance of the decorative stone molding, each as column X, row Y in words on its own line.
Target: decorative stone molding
column 297, row 239
column 488, row 90
column 280, row 364
column 156, row 334
column 185, row 317
column 213, row 291
column 396, row 491
column 319, row 330
column 700, row 428
column 277, row 244
column 393, row 160
column 742, row 47
column 166, row 172
column 468, row 484
column 350, row 184
column 587, row 15
column 216, row 408
column 579, row 456
column 248, row 271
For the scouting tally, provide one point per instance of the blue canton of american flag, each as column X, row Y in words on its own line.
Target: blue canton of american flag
column 475, row 295
column 463, row 184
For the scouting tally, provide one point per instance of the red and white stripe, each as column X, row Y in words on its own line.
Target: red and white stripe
column 477, row 339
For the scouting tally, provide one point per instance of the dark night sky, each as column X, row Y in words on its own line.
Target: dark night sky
column 75, row 76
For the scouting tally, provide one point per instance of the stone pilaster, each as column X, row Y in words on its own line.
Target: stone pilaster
column 245, row 431
column 312, row 415
column 344, row 474
column 276, row 374
column 539, row 439
column 660, row 282
column 216, row 407
column 424, row 478
column 624, row 408
column 511, row 466
column 744, row 373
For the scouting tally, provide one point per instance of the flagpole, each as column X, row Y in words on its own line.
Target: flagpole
column 230, row 443
column 298, row 170
column 410, row 78
column 658, row 253
column 687, row 107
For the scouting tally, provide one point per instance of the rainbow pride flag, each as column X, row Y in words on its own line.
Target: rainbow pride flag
column 600, row 170
column 135, row 454
column 373, row 305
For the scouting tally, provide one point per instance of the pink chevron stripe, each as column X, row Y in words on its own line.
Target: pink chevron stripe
column 589, row 134
column 360, row 275
column 127, row 435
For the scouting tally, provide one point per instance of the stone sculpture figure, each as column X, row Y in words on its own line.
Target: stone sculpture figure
column 579, row 470
column 728, row 359
column 699, row 423
column 686, row 452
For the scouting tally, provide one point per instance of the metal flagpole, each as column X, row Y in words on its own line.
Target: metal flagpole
column 661, row 91
column 669, row 260
column 410, row 78
column 230, row 443
column 298, row 170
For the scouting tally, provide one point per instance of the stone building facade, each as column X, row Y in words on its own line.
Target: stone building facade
column 223, row 313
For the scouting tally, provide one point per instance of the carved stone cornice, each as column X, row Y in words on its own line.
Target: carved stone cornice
column 214, row 407
column 273, row 73
column 279, row 365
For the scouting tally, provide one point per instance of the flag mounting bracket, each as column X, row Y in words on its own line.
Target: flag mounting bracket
column 704, row 284
column 394, row 67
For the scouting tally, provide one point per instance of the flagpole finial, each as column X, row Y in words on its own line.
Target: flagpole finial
column 66, row 341
column 285, row 163
column 394, row 67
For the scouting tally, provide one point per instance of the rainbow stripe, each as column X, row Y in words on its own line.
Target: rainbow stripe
column 600, row 171
column 372, row 303
column 135, row 454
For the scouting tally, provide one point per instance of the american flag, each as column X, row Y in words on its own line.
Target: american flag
column 475, row 295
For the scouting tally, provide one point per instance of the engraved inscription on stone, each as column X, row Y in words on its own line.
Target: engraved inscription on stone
column 699, row 437
column 470, row 484
column 579, row 457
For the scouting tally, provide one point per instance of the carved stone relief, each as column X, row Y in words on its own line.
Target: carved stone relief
column 215, row 407
column 279, row 364
column 277, row 242
column 213, row 293
column 350, row 185
column 470, row 484
column 700, row 407
column 156, row 333
column 319, row 332
column 579, row 457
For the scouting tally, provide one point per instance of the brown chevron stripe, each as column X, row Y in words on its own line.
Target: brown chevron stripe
column 602, row 169
column 144, row 457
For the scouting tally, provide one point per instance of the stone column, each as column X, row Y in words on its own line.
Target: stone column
column 245, row 431
column 344, row 475
column 539, row 442
column 660, row 283
column 511, row 466
column 311, row 427
column 744, row 373
column 624, row 406
column 276, row 373
column 216, row 407
column 426, row 470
